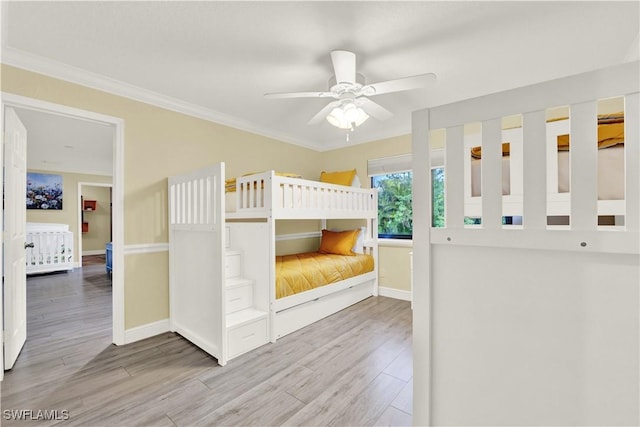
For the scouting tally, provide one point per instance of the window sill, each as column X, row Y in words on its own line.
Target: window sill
column 396, row 243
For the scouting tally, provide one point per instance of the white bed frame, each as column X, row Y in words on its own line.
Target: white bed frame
column 232, row 248
column 530, row 324
column 558, row 204
column 48, row 248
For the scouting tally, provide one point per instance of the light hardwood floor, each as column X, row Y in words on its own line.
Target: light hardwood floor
column 353, row 368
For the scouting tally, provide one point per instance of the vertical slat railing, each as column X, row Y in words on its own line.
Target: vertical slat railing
column 516, row 160
column 492, row 174
column 454, row 177
column 557, row 203
column 584, row 178
column 632, row 161
column 534, row 171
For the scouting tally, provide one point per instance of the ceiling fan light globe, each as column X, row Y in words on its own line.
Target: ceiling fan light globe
column 361, row 117
column 347, row 116
column 337, row 119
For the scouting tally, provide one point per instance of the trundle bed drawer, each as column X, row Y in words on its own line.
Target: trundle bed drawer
column 247, row 337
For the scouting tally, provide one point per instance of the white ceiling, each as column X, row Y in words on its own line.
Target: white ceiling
column 60, row 143
column 216, row 59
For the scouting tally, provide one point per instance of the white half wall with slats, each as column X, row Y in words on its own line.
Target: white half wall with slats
column 196, row 259
column 534, row 324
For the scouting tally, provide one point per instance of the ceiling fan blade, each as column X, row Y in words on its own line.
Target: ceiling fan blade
column 399, row 85
column 298, row 95
column 344, row 65
column 374, row 110
column 322, row 114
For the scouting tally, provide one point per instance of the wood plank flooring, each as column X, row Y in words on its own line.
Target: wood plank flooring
column 351, row 369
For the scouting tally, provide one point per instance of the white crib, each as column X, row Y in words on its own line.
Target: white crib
column 48, row 247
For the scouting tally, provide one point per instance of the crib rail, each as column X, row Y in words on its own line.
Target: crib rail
column 49, row 251
column 267, row 194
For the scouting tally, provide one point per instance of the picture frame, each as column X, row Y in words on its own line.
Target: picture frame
column 44, row 191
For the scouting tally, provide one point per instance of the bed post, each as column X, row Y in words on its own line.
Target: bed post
column 421, row 268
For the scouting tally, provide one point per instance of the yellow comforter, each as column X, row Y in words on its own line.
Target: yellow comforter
column 302, row 272
column 610, row 134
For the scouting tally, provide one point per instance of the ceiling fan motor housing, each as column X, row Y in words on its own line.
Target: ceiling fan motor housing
column 346, row 87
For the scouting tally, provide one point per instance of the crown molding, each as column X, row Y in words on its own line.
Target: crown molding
column 61, row 71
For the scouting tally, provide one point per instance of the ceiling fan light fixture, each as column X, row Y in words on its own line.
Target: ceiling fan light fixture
column 347, row 116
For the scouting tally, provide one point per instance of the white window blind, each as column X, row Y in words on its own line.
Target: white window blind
column 385, row 165
column 401, row 163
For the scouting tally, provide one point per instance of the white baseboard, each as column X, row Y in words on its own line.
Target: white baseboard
column 394, row 293
column 95, row 252
column 146, row 331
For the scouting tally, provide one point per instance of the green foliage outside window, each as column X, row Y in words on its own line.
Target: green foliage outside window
column 395, row 210
column 437, row 197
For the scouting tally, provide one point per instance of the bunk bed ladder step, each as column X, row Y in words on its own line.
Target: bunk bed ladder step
column 246, row 326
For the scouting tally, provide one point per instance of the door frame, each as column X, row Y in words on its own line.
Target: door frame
column 18, row 101
column 80, row 185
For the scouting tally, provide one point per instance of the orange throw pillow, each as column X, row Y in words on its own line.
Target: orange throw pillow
column 338, row 242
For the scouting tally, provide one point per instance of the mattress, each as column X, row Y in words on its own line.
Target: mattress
column 610, row 174
column 305, row 271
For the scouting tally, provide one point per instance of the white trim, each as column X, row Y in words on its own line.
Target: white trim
column 117, row 196
column 146, row 331
column 145, row 248
column 400, row 294
column 296, row 236
column 58, row 70
column 395, row 243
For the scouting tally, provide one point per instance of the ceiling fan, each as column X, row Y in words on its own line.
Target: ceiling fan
column 352, row 105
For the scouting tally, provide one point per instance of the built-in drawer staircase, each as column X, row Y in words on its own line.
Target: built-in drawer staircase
column 247, row 327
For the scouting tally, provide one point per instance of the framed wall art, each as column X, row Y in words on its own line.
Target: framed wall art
column 44, row 191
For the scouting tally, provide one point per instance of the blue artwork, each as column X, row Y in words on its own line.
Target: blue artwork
column 44, row 191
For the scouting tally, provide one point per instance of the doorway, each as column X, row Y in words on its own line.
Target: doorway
column 95, row 229
column 117, row 126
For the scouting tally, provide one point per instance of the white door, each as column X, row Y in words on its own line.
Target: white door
column 15, row 216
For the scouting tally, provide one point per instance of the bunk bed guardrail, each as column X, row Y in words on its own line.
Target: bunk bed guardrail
column 294, row 198
column 534, row 193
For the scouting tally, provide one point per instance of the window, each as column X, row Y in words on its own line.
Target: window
column 395, row 210
column 437, row 197
column 393, row 178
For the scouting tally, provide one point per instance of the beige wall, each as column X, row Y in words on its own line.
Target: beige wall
column 99, row 220
column 158, row 144
column 161, row 143
column 69, row 213
column 356, row 156
column 394, row 270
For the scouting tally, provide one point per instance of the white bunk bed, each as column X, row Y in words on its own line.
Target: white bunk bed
column 529, row 324
column 610, row 173
column 48, row 248
column 227, row 305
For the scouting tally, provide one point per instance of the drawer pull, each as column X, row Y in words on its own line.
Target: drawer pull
column 235, row 299
column 248, row 336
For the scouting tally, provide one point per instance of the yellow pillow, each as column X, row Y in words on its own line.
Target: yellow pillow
column 338, row 242
column 339, row 177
